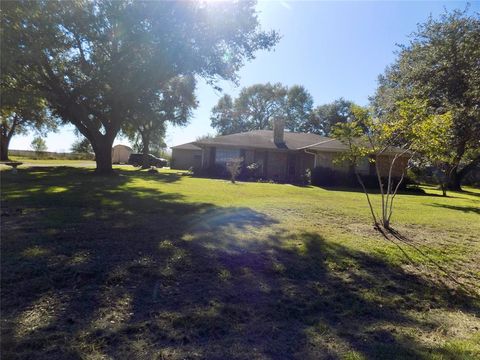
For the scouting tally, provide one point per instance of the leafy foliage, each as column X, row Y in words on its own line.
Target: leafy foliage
column 257, row 105
column 94, row 61
column 38, row 145
column 366, row 137
column 82, row 146
column 298, row 108
column 234, row 166
column 22, row 108
column 324, row 117
column 430, row 136
column 147, row 121
column 440, row 65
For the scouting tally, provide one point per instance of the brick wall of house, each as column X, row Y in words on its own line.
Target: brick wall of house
column 276, row 165
column 304, row 161
column 249, row 157
column 398, row 168
column 184, row 159
column 327, row 159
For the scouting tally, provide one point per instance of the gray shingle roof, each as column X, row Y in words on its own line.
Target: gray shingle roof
column 263, row 139
column 187, row 146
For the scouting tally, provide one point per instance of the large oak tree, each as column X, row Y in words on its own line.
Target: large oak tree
column 441, row 66
column 93, row 60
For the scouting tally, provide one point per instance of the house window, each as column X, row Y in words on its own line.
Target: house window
column 363, row 166
column 224, row 155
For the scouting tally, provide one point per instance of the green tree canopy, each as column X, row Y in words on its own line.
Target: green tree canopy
column 298, row 107
column 224, row 117
column 324, row 117
column 82, row 146
column 440, row 66
column 22, row 107
column 257, row 105
column 94, row 60
column 149, row 117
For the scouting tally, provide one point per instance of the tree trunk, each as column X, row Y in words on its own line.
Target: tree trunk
column 146, row 151
column 4, row 142
column 454, row 180
column 102, row 146
column 464, row 171
column 444, row 189
column 5, row 137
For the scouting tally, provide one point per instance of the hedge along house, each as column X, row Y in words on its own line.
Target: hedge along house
column 285, row 156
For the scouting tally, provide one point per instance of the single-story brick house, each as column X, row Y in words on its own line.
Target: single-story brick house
column 280, row 155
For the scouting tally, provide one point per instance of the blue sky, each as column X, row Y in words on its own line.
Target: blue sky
column 334, row 49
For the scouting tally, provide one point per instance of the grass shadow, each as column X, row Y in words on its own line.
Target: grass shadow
column 465, row 209
column 472, row 193
column 409, row 191
column 96, row 269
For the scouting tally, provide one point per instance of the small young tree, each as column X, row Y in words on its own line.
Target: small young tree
column 38, row 145
column 234, row 166
column 413, row 131
column 368, row 138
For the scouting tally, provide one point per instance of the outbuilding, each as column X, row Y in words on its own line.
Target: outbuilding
column 120, row 154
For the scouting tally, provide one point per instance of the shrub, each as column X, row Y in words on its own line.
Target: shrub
column 251, row 171
column 213, row 171
column 322, row 176
column 306, row 178
column 234, row 167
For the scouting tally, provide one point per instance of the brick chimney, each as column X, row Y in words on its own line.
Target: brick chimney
column 278, row 131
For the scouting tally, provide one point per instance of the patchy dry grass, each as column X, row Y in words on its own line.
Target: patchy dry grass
column 171, row 267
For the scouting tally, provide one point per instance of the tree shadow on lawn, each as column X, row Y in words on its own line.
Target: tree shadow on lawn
column 158, row 174
column 472, row 193
column 465, row 209
column 148, row 275
column 399, row 239
column 409, row 191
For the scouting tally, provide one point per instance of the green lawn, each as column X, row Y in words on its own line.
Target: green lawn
column 165, row 266
column 27, row 163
